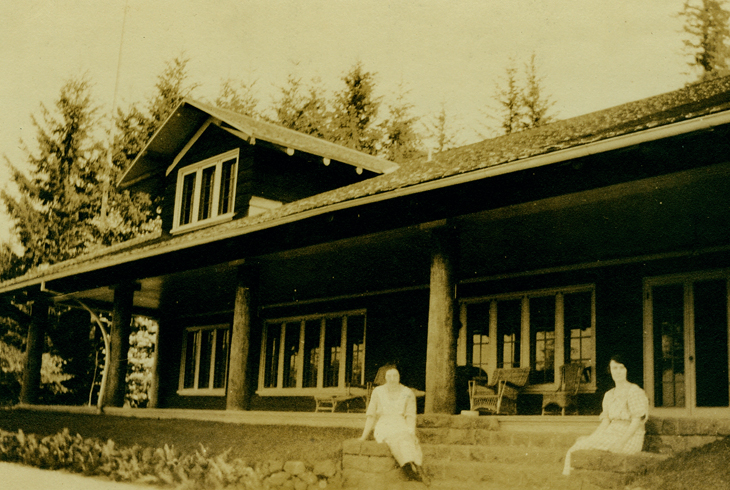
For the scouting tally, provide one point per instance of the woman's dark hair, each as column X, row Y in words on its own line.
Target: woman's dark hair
column 617, row 358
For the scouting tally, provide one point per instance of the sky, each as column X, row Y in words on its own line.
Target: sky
column 592, row 54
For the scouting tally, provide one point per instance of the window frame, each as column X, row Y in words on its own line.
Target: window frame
column 210, row 391
column 276, row 326
column 526, row 332
column 197, row 169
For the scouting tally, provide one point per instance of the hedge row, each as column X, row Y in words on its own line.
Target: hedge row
column 162, row 466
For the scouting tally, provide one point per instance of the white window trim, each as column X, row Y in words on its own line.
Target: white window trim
column 197, row 168
column 275, row 324
column 559, row 293
column 687, row 280
column 204, row 391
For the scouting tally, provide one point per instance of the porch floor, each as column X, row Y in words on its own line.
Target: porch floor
column 512, row 423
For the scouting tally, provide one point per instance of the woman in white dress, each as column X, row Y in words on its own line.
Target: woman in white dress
column 625, row 410
column 392, row 412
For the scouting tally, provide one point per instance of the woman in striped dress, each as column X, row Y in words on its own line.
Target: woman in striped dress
column 625, row 410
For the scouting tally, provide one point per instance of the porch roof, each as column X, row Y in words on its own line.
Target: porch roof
column 693, row 108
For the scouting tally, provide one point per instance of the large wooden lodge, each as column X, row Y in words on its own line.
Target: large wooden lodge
column 290, row 268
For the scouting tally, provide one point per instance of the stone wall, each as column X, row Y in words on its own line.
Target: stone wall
column 673, row 435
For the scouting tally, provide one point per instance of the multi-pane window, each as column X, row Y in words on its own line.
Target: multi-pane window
column 319, row 351
column 205, row 360
column 541, row 330
column 509, row 333
column 206, row 191
column 478, row 314
column 542, row 339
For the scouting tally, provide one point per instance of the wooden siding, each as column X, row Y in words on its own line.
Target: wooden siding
column 263, row 171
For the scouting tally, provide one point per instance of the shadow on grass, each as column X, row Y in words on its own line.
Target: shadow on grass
column 702, row 468
column 252, row 443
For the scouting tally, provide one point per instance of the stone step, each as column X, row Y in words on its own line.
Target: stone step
column 483, row 437
column 515, row 455
column 498, row 475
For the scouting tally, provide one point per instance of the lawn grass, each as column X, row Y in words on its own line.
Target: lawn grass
column 702, row 468
column 252, row 443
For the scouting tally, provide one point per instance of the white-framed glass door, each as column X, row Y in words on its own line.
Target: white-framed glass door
column 686, row 331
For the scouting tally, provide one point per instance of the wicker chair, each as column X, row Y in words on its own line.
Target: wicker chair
column 499, row 397
column 566, row 394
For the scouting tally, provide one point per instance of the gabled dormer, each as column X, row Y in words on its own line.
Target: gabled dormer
column 212, row 165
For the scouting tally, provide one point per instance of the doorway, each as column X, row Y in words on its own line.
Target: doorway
column 686, row 343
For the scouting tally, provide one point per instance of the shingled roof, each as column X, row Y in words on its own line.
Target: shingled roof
column 682, row 111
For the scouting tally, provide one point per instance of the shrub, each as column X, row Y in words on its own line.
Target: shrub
column 162, row 466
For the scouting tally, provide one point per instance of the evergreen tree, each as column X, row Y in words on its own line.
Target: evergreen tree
column 401, row 141
column 355, row 109
column 238, row 97
column 136, row 126
column 522, row 103
column 535, row 104
column 706, row 23
column 441, row 131
column 127, row 215
column 61, row 193
column 302, row 108
column 509, row 100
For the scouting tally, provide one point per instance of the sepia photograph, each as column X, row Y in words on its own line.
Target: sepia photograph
column 365, row 245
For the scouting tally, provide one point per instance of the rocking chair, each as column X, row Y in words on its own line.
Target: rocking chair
column 499, row 397
column 566, row 394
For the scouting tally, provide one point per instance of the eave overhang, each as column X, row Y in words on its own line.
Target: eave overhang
column 37, row 281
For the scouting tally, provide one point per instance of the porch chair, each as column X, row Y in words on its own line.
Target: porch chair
column 499, row 397
column 567, row 391
column 378, row 380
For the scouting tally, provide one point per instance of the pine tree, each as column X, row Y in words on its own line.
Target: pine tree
column 535, row 104
column 509, row 100
column 238, row 97
column 441, row 131
column 522, row 104
column 706, row 22
column 355, row 109
column 128, row 215
column 302, row 108
column 401, row 141
column 136, row 126
column 61, row 193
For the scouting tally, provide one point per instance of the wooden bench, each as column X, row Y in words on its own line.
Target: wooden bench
column 328, row 402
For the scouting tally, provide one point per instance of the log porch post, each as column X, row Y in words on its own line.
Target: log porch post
column 238, row 396
column 441, row 349
column 119, row 339
column 34, row 352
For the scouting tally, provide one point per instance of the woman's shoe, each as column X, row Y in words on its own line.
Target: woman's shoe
column 410, row 471
column 422, row 475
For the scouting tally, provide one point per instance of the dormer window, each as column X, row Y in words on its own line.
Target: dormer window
column 206, row 192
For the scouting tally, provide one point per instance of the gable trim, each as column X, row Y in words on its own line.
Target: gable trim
column 190, row 143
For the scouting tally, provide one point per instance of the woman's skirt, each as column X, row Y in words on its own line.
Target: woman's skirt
column 605, row 440
column 403, row 444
